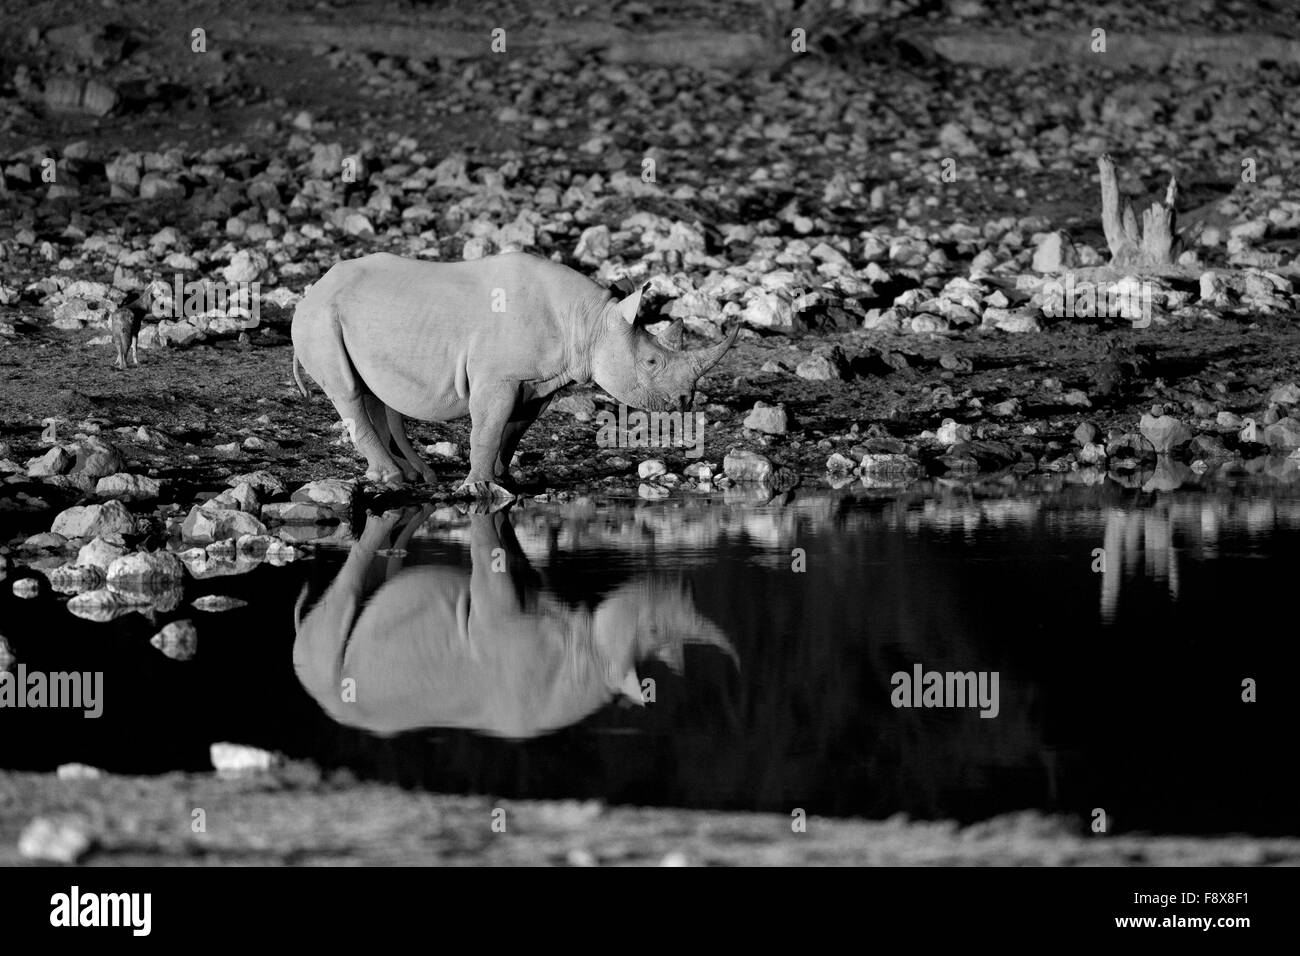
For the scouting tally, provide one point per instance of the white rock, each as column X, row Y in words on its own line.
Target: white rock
column 127, row 487
column 54, row 841
column 769, row 419
column 99, row 553
column 230, row 758
column 334, row 492
column 86, row 521
column 746, row 466
column 950, row 433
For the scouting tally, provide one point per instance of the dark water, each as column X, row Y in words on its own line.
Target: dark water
column 504, row 654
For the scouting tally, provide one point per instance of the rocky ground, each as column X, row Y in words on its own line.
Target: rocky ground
column 890, row 215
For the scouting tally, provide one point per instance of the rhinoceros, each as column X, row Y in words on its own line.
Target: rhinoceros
column 485, row 649
column 495, row 338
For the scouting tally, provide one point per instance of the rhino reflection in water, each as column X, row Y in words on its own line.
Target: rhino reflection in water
column 487, row 650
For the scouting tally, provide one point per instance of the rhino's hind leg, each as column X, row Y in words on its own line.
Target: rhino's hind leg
column 381, row 468
column 320, row 349
column 377, row 412
column 397, row 428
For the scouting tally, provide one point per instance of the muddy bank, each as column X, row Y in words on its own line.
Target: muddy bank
column 300, row 820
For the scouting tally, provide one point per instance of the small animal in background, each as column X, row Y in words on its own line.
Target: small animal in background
column 125, row 327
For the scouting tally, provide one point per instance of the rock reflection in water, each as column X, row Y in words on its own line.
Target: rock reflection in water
column 394, row 646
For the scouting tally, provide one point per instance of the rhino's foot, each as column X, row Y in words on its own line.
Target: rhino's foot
column 483, row 490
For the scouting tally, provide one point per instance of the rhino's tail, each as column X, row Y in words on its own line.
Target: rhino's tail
column 297, row 367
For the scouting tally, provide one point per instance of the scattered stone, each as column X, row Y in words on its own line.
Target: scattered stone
column 819, row 368
column 746, row 466
column 265, row 483
column 55, row 840
column 1283, row 435
column 145, row 570
column 651, row 468
column 237, row 759
column 45, row 541
column 890, row 464
column 332, row 492
column 769, row 419
column 100, row 554
column 1288, row 394
column 87, row 521
column 297, row 512
column 1092, row 453
column 1164, row 432
column 219, row 525
column 951, row 433
column 78, row 771
column 1054, row 253
column 127, row 487
column 57, row 461
column 1085, row 433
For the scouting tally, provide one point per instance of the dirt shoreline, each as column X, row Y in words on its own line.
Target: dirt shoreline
column 293, row 818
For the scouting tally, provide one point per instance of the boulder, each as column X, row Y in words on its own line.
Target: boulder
column 87, row 521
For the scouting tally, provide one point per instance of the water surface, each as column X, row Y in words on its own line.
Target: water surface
column 513, row 654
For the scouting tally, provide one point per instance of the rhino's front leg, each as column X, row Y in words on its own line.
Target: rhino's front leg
column 490, row 411
column 527, row 413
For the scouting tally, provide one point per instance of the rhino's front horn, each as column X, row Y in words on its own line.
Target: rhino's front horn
column 705, row 359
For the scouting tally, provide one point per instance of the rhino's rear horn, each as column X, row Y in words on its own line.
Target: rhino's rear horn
column 705, row 359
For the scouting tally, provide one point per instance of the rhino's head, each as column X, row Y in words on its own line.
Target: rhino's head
column 643, row 371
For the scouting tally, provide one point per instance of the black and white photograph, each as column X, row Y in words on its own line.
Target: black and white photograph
column 664, row 433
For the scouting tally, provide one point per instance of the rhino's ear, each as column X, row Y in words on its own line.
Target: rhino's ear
column 630, row 306
column 673, row 337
